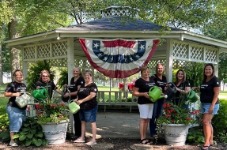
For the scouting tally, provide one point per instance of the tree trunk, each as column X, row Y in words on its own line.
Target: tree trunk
column 15, row 53
column 1, row 77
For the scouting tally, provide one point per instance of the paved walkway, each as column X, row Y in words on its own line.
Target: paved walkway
column 118, row 125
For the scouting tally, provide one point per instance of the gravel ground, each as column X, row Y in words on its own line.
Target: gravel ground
column 113, row 144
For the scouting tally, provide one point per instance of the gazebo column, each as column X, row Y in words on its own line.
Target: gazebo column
column 24, row 66
column 169, row 60
column 70, row 66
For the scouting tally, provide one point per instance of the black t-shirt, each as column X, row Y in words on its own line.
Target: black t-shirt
column 84, row 92
column 207, row 90
column 74, row 85
column 178, row 96
column 50, row 86
column 144, row 86
column 160, row 82
column 15, row 87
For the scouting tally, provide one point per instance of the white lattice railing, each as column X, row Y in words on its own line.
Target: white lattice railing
column 194, row 52
column 47, row 51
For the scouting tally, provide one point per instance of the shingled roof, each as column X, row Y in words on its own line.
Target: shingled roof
column 121, row 24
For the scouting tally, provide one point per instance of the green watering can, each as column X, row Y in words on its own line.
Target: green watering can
column 74, row 107
column 40, row 94
column 155, row 93
column 192, row 96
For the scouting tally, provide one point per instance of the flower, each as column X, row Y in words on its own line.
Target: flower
column 177, row 114
column 51, row 112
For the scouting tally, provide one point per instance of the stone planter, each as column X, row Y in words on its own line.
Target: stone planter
column 55, row 133
column 176, row 134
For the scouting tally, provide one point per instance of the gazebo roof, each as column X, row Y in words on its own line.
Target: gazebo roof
column 116, row 27
column 120, row 24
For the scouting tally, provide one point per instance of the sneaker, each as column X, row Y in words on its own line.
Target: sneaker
column 13, row 144
column 91, row 143
column 79, row 140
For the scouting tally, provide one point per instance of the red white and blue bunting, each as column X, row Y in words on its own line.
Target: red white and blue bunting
column 118, row 58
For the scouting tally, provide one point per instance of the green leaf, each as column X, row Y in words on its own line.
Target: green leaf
column 29, row 136
column 40, row 134
column 22, row 137
column 28, row 142
column 38, row 142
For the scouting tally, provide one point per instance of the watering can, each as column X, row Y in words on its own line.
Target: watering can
column 155, row 93
column 192, row 96
column 40, row 94
column 74, row 107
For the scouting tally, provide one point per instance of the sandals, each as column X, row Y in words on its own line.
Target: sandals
column 145, row 141
column 205, row 147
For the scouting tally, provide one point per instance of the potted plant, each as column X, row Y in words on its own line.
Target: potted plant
column 175, row 121
column 53, row 117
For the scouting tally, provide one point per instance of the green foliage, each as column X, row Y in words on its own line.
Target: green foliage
column 31, row 134
column 195, row 135
column 4, row 122
column 63, row 78
column 34, row 73
column 220, row 122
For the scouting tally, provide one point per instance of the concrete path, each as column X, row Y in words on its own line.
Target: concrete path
column 118, row 125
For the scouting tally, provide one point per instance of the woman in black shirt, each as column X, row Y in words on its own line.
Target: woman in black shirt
column 209, row 91
column 141, row 89
column 182, row 87
column 16, row 114
column 160, row 81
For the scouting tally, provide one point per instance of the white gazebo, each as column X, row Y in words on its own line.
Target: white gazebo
column 62, row 48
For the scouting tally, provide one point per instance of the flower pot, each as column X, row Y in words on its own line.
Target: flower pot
column 176, row 134
column 55, row 133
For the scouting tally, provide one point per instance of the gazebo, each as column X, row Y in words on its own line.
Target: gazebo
column 61, row 46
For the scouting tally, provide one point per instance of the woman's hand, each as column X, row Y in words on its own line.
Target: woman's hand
column 146, row 95
column 211, row 109
column 16, row 94
column 79, row 102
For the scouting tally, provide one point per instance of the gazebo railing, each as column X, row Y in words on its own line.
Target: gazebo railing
column 120, row 98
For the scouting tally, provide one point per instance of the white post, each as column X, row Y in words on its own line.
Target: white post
column 70, row 66
column 169, row 60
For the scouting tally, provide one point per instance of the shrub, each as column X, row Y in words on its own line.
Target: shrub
column 220, row 123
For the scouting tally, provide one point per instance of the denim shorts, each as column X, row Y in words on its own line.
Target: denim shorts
column 206, row 106
column 16, row 118
column 88, row 115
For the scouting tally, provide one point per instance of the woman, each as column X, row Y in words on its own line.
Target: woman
column 88, row 108
column 209, row 91
column 141, row 88
column 76, row 82
column 44, row 82
column 160, row 81
column 182, row 87
column 15, row 113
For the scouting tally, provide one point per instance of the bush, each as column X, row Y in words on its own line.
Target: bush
column 220, row 123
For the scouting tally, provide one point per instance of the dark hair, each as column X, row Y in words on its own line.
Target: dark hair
column 183, row 73
column 212, row 66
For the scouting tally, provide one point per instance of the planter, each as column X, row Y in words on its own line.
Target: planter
column 176, row 134
column 55, row 133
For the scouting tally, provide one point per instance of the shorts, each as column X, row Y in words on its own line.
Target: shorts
column 206, row 106
column 146, row 110
column 88, row 115
column 16, row 118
